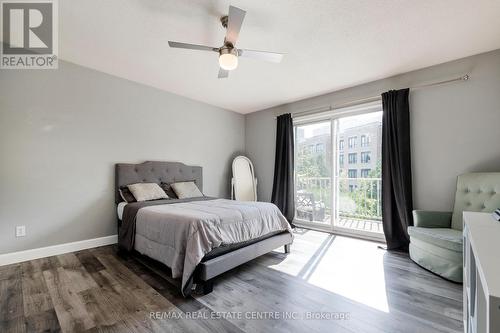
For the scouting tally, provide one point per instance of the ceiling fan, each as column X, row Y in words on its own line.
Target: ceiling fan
column 228, row 53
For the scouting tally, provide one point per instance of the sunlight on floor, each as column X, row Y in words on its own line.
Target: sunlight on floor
column 348, row 267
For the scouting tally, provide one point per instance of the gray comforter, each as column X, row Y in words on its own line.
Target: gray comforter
column 126, row 233
column 180, row 234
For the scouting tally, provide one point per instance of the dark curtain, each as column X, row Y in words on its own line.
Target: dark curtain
column 283, row 188
column 397, row 201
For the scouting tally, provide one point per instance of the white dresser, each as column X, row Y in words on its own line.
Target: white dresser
column 481, row 273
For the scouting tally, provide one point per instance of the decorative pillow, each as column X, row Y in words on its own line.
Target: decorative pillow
column 126, row 195
column 147, row 191
column 168, row 189
column 186, row 190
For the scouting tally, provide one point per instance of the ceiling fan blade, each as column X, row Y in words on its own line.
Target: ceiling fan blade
column 234, row 22
column 223, row 73
column 192, row 46
column 261, row 55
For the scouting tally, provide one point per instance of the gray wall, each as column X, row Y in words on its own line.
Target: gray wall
column 61, row 131
column 455, row 128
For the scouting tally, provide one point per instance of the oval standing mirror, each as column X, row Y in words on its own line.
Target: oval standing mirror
column 244, row 183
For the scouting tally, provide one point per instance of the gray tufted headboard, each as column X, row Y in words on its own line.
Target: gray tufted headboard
column 155, row 172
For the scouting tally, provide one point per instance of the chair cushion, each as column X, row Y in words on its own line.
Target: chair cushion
column 450, row 239
column 444, row 262
column 305, row 208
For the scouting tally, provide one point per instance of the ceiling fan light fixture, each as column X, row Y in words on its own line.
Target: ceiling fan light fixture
column 228, row 59
column 228, row 54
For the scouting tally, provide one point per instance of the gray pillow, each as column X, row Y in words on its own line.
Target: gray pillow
column 186, row 190
column 168, row 189
column 147, row 191
column 126, row 195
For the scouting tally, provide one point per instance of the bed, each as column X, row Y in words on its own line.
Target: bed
column 197, row 238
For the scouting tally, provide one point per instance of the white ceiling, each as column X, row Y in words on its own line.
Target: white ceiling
column 329, row 44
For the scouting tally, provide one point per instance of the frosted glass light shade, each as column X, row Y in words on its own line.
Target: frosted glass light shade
column 228, row 61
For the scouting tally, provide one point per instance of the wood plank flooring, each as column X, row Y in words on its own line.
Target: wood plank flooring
column 327, row 284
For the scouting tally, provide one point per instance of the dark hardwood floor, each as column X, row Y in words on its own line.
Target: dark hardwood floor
column 327, row 284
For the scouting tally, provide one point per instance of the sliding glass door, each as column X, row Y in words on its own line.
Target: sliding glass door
column 358, row 177
column 313, row 170
column 338, row 171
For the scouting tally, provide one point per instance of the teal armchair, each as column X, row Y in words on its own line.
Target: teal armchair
column 436, row 237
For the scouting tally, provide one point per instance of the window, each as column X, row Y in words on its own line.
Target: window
column 313, row 172
column 365, row 157
column 351, row 142
column 365, row 141
column 337, row 169
column 365, row 173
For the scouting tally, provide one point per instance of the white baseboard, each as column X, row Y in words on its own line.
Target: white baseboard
column 42, row 252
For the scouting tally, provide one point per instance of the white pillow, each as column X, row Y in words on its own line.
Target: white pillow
column 147, row 191
column 186, row 190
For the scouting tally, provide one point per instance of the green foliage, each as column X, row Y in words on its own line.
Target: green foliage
column 362, row 202
column 366, row 196
column 366, row 201
column 377, row 172
column 312, row 165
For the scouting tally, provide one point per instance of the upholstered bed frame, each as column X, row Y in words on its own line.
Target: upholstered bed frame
column 170, row 172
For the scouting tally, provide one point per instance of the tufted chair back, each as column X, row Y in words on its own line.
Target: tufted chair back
column 476, row 192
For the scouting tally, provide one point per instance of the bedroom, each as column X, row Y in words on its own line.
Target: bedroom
column 73, row 133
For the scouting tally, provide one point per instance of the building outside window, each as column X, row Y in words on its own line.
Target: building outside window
column 365, row 140
column 341, row 145
column 320, row 148
column 365, row 157
column 351, row 142
column 341, row 160
column 353, row 158
column 352, row 173
column 365, row 173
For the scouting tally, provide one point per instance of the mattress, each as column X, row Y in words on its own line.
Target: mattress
column 119, row 209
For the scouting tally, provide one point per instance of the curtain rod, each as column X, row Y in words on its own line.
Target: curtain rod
column 465, row 77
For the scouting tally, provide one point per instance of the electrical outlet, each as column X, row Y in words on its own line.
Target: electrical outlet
column 20, row 231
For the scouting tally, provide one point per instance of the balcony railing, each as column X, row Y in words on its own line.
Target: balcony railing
column 358, row 198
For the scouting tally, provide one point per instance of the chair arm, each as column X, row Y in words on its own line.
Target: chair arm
column 431, row 219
